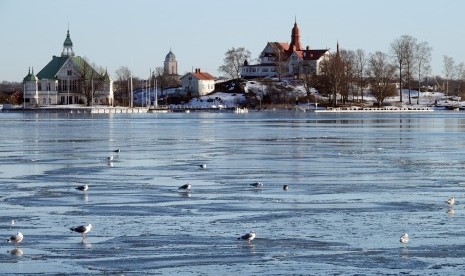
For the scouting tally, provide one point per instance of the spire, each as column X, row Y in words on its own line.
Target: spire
column 295, row 38
column 67, row 46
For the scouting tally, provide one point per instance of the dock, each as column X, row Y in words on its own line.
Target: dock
column 376, row 109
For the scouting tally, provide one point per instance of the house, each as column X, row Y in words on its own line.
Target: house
column 282, row 59
column 67, row 79
column 197, row 82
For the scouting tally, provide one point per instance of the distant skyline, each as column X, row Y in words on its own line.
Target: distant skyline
column 138, row 34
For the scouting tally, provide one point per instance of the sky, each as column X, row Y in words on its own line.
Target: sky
column 139, row 33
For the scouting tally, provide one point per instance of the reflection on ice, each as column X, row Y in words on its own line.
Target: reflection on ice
column 16, row 252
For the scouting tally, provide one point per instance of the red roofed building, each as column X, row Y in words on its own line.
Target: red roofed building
column 197, row 82
column 280, row 59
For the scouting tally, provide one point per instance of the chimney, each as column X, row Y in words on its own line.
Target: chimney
column 197, row 70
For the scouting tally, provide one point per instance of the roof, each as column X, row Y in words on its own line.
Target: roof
column 200, row 76
column 314, row 54
column 30, row 76
column 203, row 76
column 53, row 67
column 170, row 57
column 68, row 42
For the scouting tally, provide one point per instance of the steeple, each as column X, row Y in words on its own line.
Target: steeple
column 295, row 38
column 67, row 46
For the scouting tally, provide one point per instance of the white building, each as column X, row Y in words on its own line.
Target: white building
column 200, row 83
column 284, row 59
column 67, row 79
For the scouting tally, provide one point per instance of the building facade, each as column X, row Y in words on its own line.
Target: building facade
column 67, row 79
column 282, row 59
column 198, row 83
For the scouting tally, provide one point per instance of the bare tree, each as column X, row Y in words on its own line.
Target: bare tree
column 348, row 65
column 398, row 48
column 422, row 60
column 89, row 79
column 121, row 86
column 307, row 77
column 233, row 60
column 381, row 74
column 409, row 59
column 360, row 61
column 330, row 81
column 448, row 70
column 280, row 56
column 459, row 76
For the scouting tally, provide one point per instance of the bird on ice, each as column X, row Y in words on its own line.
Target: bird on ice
column 404, row 238
column 203, row 166
column 185, row 187
column 83, row 229
column 285, row 187
column 248, row 237
column 451, row 201
column 16, row 238
column 83, row 188
column 110, row 158
column 257, row 184
column 116, row 151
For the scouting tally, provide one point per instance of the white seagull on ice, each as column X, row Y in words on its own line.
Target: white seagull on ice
column 83, row 229
column 257, row 184
column 185, row 187
column 16, row 238
column 404, row 238
column 451, row 201
column 83, row 188
column 248, row 237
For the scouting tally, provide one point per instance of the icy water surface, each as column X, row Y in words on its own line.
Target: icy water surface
column 356, row 183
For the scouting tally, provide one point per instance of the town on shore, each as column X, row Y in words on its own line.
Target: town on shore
column 286, row 76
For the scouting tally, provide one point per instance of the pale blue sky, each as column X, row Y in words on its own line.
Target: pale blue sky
column 139, row 33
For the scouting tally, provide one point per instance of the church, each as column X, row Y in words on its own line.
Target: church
column 67, row 79
column 282, row 59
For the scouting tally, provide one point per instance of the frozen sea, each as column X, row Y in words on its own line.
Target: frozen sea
column 357, row 181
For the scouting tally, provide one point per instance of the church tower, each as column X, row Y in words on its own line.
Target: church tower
column 295, row 39
column 171, row 65
column 67, row 47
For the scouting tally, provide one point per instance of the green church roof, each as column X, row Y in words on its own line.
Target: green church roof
column 30, row 76
column 51, row 69
column 68, row 42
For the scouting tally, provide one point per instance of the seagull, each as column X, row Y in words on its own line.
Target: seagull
column 203, row 166
column 110, row 158
column 404, row 238
column 257, row 184
column 83, row 229
column 451, row 201
column 185, row 187
column 248, row 237
column 16, row 238
column 116, row 150
column 83, row 188
column 285, row 187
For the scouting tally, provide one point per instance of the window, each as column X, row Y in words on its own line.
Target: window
column 44, row 101
column 70, row 73
column 39, row 86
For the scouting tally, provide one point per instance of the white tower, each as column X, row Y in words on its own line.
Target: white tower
column 171, row 65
